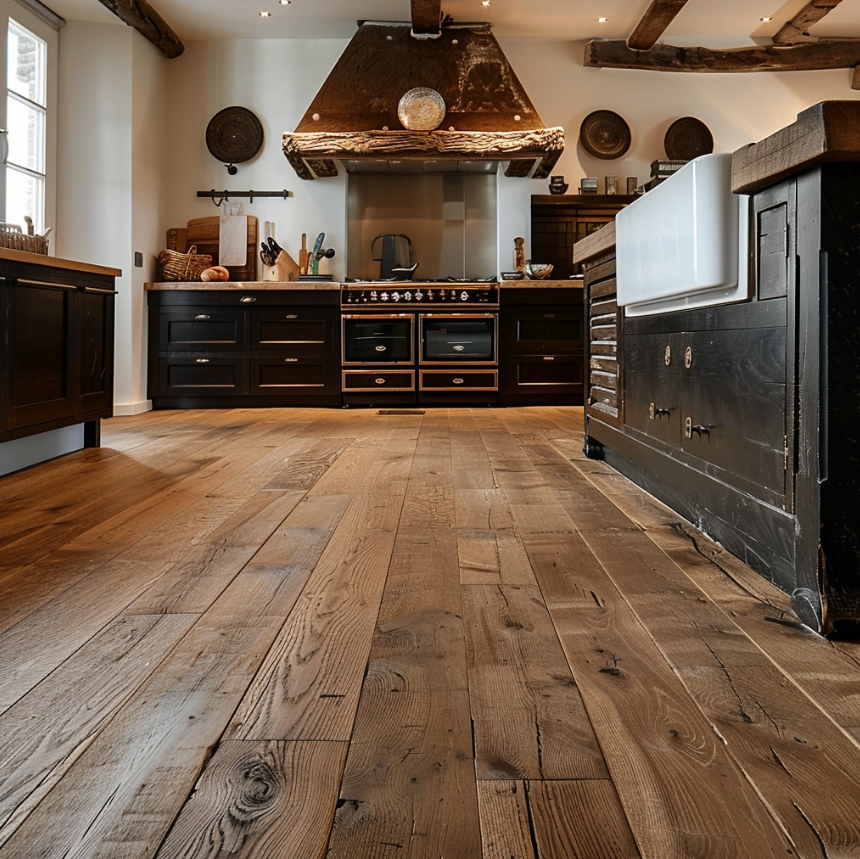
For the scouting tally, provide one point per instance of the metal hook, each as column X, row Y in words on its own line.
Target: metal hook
column 217, row 202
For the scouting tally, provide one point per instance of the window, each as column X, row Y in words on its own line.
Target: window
column 26, row 109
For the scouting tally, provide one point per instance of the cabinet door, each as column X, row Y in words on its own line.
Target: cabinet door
column 40, row 368
column 286, row 376
column 735, row 399
column 651, row 384
column 299, row 329
column 547, row 331
column 95, row 350
column 206, row 329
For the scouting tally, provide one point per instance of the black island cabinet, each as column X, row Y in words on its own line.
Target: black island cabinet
column 745, row 418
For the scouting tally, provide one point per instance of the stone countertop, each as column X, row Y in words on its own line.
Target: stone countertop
column 57, row 262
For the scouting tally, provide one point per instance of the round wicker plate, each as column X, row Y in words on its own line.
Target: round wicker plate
column 234, row 134
column 421, row 109
column 688, row 138
column 604, row 134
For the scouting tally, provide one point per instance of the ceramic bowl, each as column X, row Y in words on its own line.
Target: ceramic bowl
column 512, row 275
column 538, row 270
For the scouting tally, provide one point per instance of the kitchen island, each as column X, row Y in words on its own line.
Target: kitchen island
column 743, row 416
column 57, row 355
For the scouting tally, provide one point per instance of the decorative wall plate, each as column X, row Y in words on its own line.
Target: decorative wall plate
column 604, row 134
column 234, row 134
column 421, row 109
column 688, row 138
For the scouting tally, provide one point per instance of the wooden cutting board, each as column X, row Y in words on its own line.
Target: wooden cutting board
column 204, row 233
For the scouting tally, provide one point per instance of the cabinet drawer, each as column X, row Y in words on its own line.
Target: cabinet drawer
column 202, row 328
column 543, row 373
column 281, row 375
column 305, row 329
column 549, row 331
column 209, row 376
column 366, row 381
column 458, row 380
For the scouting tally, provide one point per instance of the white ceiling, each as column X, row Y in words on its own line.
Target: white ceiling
column 704, row 22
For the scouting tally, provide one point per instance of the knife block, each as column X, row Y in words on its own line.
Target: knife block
column 285, row 270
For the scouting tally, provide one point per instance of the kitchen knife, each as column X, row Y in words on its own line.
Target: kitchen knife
column 315, row 256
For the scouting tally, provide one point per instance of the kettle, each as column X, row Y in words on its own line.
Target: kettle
column 395, row 258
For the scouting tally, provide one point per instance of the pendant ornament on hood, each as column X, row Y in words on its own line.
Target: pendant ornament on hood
column 421, row 109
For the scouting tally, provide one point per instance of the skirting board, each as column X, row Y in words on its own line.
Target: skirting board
column 124, row 409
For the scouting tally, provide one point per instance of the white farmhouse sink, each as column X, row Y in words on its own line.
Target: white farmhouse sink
column 684, row 244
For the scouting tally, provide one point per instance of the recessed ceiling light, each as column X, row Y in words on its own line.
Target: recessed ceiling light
column 485, row 2
column 265, row 14
column 602, row 20
column 285, row 2
column 766, row 19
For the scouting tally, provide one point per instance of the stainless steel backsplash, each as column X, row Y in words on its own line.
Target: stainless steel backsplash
column 451, row 220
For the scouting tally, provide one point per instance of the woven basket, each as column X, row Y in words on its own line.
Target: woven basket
column 173, row 265
column 12, row 237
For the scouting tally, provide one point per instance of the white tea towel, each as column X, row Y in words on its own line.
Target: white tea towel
column 233, row 235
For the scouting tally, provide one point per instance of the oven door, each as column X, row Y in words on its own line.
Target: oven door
column 378, row 338
column 458, row 338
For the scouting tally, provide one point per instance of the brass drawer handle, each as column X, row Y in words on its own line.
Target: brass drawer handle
column 247, row 299
column 292, row 316
column 457, row 381
column 379, row 381
column 549, row 316
column 667, row 356
column 700, row 429
column 688, row 357
column 202, row 360
column 549, row 358
column 381, row 348
column 202, row 316
column 291, row 360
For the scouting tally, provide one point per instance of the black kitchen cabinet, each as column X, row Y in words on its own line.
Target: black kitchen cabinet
column 223, row 348
column 58, row 347
column 540, row 346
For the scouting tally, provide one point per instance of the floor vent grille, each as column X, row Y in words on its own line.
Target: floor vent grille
column 400, row 412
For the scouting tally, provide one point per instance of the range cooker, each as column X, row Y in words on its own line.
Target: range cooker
column 420, row 342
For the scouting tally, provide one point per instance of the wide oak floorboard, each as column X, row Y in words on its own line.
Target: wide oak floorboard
column 315, row 633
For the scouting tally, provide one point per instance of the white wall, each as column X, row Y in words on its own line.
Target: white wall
column 110, row 174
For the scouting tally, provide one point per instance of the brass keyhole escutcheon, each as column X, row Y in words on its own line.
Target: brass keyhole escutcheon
column 652, row 410
column 688, row 357
column 688, row 427
column 667, row 356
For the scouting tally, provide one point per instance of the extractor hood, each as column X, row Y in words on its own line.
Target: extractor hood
column 357, row 117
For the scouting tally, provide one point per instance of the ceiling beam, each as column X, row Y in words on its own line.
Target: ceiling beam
column 426, row 17
column 796, row 30
column 654, row 22
column 807, row 56
column 140, row 15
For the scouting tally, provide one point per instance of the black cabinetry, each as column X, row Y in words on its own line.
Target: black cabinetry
column 212, row 348
column 540, row 346
column 57, row 367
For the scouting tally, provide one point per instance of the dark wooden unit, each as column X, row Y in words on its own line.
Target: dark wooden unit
column 560, row 221
column 540, row 346
column 242, row 348
column 57, row 367
column 744, row 418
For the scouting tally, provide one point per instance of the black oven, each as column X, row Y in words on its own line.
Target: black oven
column 457, row 338
column 379, row 339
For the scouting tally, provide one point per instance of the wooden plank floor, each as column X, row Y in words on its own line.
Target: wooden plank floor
column 297, row 634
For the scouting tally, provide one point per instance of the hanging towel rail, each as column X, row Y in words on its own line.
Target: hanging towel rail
column 226, row 195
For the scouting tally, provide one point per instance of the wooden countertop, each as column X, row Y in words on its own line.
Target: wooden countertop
column 57, row 262
column 827, row 131
column 541, row 284
column 230, row 285
column 596, row 244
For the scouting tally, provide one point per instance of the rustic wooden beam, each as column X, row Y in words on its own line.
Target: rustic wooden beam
column 426, row 17
column 654, row 22
column 140, row 15
column 807, row 56
column 796, row 30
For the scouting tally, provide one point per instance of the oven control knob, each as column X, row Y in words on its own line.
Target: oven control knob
column 429, row 294
column 407, row 296
column 464, row 296
column 384, row 296
column 418, row 295
column 395, row 296
column 373, row 295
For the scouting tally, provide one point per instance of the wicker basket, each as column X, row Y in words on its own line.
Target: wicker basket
column 11, row 237
column 173, row 265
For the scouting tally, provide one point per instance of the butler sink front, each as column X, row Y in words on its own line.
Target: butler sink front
column 684, row 244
